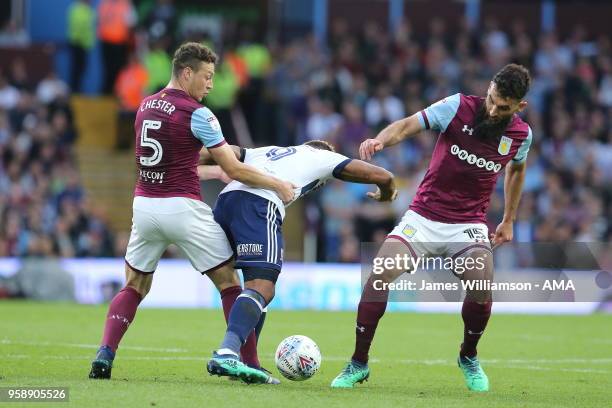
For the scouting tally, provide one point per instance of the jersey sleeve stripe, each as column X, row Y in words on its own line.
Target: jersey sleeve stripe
column 425, row 120
column 338, row 169
column 521, row 154
column 221, row 143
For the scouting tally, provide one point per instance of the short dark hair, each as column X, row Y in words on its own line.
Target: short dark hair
column 191, row 54
column 512, row 81
column 321, row 144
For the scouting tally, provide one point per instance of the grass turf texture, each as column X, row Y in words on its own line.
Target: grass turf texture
column 532, row 361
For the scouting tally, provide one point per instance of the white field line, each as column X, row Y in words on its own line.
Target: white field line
column 571, row 370
column 512, row 364
column 330, row 358
column 91, row 346
column 203, row 359
column 527, row 364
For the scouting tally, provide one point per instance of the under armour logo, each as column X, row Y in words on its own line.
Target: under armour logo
column 361, row 329
column 467, row 129
column 474, row 333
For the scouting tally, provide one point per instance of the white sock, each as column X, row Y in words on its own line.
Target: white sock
column 225, row 351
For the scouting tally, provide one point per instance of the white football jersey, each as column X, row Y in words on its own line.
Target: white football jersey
column 304, row 166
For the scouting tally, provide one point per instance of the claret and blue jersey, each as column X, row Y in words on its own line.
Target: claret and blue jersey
column 171, row 128
column 464, row 169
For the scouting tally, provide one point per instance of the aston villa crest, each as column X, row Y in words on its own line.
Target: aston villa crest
column 409, row 231
column 504, row 145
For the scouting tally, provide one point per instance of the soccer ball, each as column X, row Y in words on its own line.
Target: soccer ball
column 297, row 358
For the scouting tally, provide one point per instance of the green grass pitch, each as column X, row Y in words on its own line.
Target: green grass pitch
column 531, row 361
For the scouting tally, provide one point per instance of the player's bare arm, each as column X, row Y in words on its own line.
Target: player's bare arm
column 513, row 186
column 208, row 168
column 389, row 136
column 213, row 172
column 358, row 171
column 207, row 159
column 236, row 170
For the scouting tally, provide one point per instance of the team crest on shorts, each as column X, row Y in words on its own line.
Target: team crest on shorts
column 504, row 145
column 409, row 231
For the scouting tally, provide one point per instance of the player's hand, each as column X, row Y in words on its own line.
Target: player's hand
column 503, row 233
column 387, row 195
column 224, row 177
column 286, row 191
column 369, row 148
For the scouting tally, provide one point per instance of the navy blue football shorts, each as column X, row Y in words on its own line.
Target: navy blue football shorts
column 253, row 227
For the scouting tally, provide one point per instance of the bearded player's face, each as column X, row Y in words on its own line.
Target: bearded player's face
column 495, row 114
column 498, row 108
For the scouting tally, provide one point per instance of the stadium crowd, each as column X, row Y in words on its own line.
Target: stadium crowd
column 342, row 91
column 364, row 80
column 359, row 81
column 43, row 208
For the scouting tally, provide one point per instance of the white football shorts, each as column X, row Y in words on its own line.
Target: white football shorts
column 187, row 223
column 425, row 237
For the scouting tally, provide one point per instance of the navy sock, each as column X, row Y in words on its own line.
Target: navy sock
column 105, row 353
column 359, row 363
column 243, row 318
column 259, row 326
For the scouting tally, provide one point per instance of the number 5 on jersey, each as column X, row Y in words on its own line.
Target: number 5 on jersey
column 148, row 141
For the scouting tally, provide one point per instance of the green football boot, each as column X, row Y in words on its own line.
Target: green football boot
column 102, row 366
column 231, row 366
column 475, row 377
column 351, row 374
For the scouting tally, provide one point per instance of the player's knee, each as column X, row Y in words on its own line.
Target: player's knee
column 391, row 261
column 478, row 296
column 476, row 264
column 140, row 282
column 139, row 286
column 262, row 280
column 224, row 277
column 264, row 287
column 388, row 276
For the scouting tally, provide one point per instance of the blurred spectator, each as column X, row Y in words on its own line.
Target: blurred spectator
column 353, row 130
column 323, row 123
column 339, row 205
column 115, row 20
column 19, row 75
column 13, row 36
column 132, row 84
column 224, row 95
column 51, row 88
column 258, row 62
column 160, row 18
column 158, row 65
column 9, row 95
column 81, row 37
column 383, row 108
